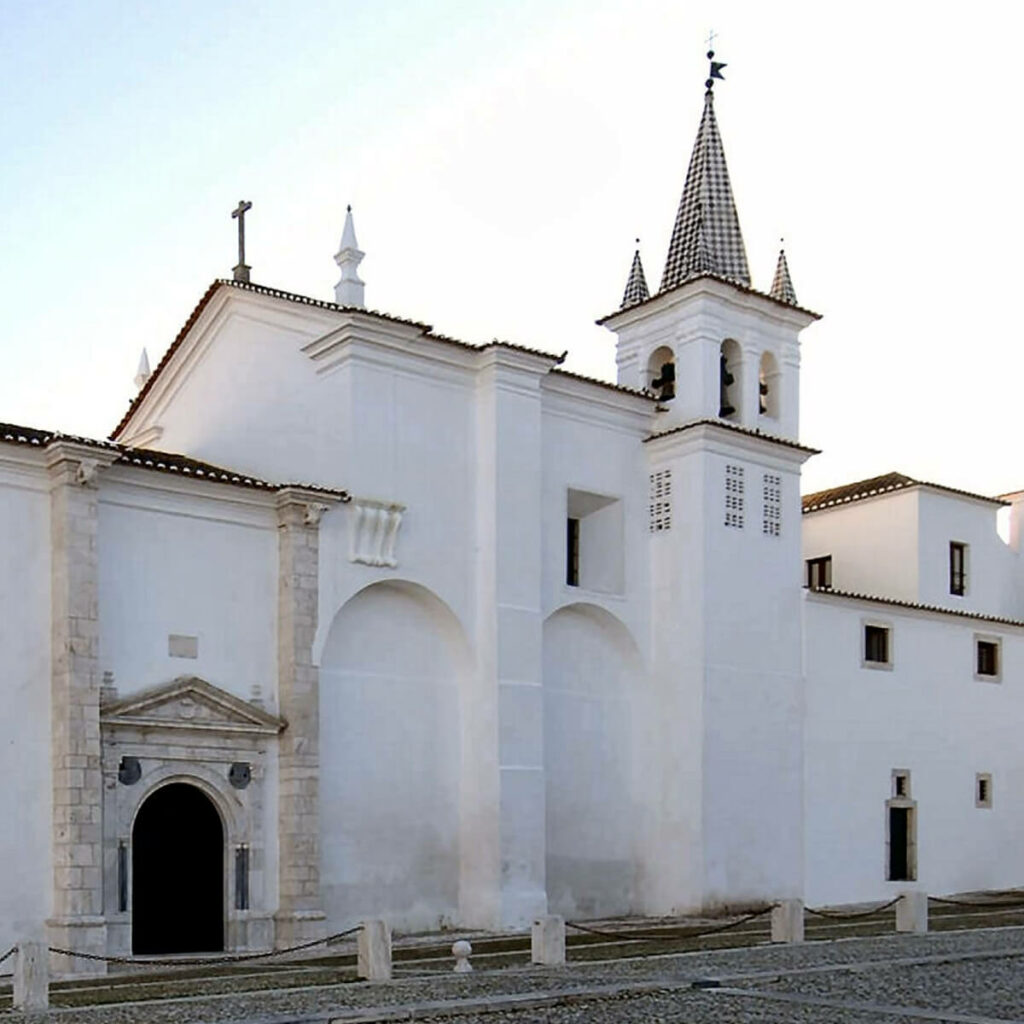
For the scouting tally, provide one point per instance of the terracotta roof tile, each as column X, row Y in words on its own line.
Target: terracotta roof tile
column 887, row 483
column 162, row 462
column 746, row 289
column 915, row 606
column 726, row 425
column 304, row 300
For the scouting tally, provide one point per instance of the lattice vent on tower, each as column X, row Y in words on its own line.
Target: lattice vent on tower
column 734, row 496
column 771, row 521
column 660, row 501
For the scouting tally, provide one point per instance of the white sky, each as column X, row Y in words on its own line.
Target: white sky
column 500, row 156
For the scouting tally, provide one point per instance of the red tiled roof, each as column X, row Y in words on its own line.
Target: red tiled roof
column 726, row 425
column 146, row 458
column 876, row 485
column 914, row 606
column 636, row 392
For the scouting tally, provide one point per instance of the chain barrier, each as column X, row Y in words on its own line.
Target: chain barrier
column 229, row 958
column 840, row 916
column 669, row 936
column 997, row 902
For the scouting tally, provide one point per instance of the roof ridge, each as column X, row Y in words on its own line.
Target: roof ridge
column 874, row 486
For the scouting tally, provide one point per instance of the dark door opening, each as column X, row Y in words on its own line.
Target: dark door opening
column 177, row 873
column 899, row 843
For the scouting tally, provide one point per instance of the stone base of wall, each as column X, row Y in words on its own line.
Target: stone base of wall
column 250, row 933
column 83, row 935
column 295, row 926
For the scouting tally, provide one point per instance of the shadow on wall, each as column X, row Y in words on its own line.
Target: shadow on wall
column 595, row 731
column 392, row 668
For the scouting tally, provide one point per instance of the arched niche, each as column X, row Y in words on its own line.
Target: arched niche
column 661, row 374
column 593, row 738
column 730, row 380
column 393, row 666
column 768, row 379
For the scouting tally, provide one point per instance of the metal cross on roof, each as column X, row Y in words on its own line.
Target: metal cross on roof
column 241, row 272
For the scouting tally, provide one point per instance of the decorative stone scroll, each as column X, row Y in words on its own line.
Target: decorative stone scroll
column 373, row 532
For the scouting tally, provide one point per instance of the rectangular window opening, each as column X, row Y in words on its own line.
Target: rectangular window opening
column 901, row 844
column 122, row 876
column 819, row 573
column 734, row 496
column 876, row 645
column 987, row 658
column 659, row 507
column 957, row 568
column 983, row 790
column 572, row 552
column 242, row 877
column 901, row 783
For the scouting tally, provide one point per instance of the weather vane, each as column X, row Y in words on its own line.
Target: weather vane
column 716, row 66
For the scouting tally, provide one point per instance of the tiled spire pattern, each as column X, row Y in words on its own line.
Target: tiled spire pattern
column 636, row 287
column 706, row 238
column 782, row 285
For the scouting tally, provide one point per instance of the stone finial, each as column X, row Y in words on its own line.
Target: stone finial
column 143, row 373
column 782, row 284
column 349, row 289
column 462, row 951
column 636, row 285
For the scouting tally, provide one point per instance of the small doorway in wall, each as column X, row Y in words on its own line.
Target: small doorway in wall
column 901, row 830
column 177, row 873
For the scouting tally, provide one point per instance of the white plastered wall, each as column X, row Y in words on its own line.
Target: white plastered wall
column 25, row 798
column 928, row 714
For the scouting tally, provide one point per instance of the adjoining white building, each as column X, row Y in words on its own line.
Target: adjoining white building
column 461, row 637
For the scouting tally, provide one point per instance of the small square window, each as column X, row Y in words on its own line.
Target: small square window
column 877, row 646
column 987, row 660
column 983, row 790
column 957, row 568
column 819, row 573
column 901, row 783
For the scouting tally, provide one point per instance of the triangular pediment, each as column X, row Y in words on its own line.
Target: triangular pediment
column 190, row 703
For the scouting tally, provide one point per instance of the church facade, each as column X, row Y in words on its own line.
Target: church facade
column 461, row 637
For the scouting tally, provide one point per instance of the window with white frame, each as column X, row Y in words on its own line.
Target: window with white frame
column 734, row 496
column 988, row 658
column 771, row 505
column 876, row 650
column 659, row 508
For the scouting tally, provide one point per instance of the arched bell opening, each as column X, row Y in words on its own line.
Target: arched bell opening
column 729, row 377
column 768, row 386
column 177, row 873
column 661, row 374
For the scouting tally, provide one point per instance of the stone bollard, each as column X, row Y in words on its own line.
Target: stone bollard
column 373, row 951
column 32, row 976
column 788, row 921
column 462, row 951
column 547, row 941
column 912, row 912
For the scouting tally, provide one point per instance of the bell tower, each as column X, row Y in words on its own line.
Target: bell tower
column 724, row 465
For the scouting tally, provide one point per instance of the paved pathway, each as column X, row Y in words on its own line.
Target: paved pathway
column 970, row 977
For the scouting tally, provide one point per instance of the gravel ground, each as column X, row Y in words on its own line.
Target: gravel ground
column 990, row 985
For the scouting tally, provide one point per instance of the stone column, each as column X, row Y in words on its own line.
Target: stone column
column 299, row 917
column 77, row 922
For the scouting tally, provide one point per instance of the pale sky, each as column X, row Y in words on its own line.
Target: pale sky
column 500, row 157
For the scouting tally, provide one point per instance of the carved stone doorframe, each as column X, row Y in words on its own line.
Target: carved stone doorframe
column 193, row 732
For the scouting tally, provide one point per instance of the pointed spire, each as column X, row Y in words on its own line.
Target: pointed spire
column 782, row 284
column 142, row 374
column 706, row 238
column 349, row 289
column 636, row 287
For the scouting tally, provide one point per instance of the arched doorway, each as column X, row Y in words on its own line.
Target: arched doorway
column 177, row 873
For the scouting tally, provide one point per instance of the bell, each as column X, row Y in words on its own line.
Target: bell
column 726, row 410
